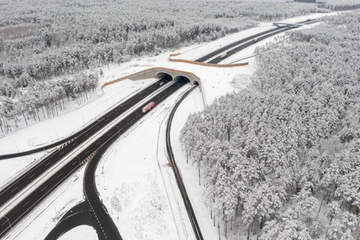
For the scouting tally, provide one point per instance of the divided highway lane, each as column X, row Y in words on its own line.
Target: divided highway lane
column 30, row 175
column 43, row 190
column 45, row 164
column 247, row 44
column 234, row 44
column 231, row 45
column 109, row 229
column 127, row 103
column 181, row 185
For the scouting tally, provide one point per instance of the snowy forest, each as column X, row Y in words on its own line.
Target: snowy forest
column 281, row 159
column 44, row 43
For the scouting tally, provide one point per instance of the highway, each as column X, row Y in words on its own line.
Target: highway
column 230, row 48
column 108, row 228
column 124, row 106
column 29, row 202
column 44, row 165
column 184, row 195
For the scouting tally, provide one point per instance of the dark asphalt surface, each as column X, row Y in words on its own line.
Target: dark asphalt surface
column 104, row 225
column 258, row 36
column 30, row 202
column 184, row 195
column 25, row 179
column 81, row 214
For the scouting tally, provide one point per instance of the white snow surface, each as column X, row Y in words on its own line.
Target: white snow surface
column 134, row 178
column 80, row 233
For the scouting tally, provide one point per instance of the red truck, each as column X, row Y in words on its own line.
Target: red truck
column 148, row 107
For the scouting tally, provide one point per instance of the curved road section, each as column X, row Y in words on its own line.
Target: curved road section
column 235, row 46
column 28, row 203
column 15, row 215
column 122, row 107
column 26, row 178
column 185, row 197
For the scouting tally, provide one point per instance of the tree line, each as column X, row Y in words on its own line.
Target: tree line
column 66, row 37
column 41, row 100
column 280, row 159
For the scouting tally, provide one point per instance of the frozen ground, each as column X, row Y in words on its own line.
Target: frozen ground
column 133, row 178
column 80, row 233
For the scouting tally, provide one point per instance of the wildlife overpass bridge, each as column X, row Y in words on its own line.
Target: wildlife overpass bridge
column 158, row 72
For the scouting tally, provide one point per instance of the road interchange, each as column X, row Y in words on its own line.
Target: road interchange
column 27, row 205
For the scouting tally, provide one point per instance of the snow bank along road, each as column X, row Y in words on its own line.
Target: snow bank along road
column 105, row 228
column 74, row 146
column 217, row 56
column 70, row 156
column 189, row 208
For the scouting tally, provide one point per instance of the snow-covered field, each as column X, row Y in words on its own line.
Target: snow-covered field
column 80, row 233
column 134, row 178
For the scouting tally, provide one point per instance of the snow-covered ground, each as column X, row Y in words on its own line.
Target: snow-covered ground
column 80, row 233
column 134, row 178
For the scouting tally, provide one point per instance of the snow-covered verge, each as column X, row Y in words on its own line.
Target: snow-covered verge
column 80, row 233
column 130, row 180
column 280, row 160
column 46, row 215
column 133, row 178
column 41, row 46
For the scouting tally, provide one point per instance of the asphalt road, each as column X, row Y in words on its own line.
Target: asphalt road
column 126, row 105
column 42, row 191
column 43, row 166
column 258, row 36
column 81, row 214
column 184, row 195
column 28, row 203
